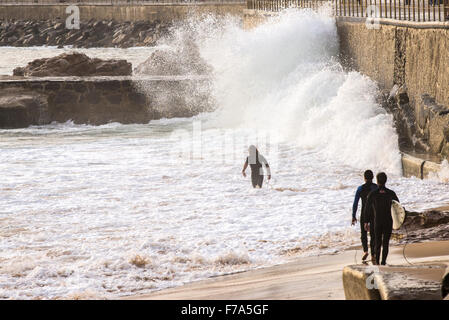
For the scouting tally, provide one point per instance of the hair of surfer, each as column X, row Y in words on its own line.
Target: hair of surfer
column 368, row 175
column 253, row 154
column 381, row 178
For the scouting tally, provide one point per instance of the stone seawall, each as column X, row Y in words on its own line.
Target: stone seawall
column 409, row 62
column 126, row 12
column 92, row 100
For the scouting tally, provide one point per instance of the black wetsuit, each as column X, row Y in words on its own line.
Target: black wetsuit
column 362, row 192
column 378, row 208
column 256, row 169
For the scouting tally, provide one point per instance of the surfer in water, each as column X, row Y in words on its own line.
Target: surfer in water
column 256, row 162
column 378, row 210
column 362, row 192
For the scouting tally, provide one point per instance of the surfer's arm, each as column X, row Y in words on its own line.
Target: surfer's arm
column 244, row 167
column 395, row 197
column 356, row 203
column 267, row 166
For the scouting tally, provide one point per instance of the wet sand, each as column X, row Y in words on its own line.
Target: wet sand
column 317, row 278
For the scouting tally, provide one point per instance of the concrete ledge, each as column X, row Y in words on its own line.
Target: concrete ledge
column 421, row 282
column 411, row 166
column 430, row 167
column 354, row 284
column 417, row 167
column 410, row 282
column 97, row 100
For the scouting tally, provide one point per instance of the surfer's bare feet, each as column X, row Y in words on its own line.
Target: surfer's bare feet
column 365, row 255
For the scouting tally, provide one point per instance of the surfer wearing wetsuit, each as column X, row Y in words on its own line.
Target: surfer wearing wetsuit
column 378, row 210
column 362, row 192
column 256, row 162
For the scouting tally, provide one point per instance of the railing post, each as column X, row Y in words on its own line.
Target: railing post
column 445, row 10
column 375, row 6
column 408, row 4
column 380, row 8
column 433, row 5
column 414, row 17
column 394, row 8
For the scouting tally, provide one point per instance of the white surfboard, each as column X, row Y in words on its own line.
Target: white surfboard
column 398, row 214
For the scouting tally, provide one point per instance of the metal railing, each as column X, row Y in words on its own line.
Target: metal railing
column 408, row 10
column 118, row 2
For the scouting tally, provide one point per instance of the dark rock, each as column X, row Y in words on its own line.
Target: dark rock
column 75, row 64
column 19, row 71
column 429, row 225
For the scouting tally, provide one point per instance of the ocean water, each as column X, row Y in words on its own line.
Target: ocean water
column 113, row 210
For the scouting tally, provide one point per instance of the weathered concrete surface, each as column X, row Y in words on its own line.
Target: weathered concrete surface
column 355, row 280
column 410, row 282
column 118, row 12
column 411, row 166
column 422, row 282
column 99, row 100
column 418, row 167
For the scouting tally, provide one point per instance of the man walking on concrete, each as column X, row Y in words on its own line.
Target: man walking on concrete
column 378, row 210
column 362, row 192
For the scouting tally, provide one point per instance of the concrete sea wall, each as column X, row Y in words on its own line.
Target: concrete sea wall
column 126, row 12
column 409, row 61
column 94, row 100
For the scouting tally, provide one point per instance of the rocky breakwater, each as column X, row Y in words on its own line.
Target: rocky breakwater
column 105, row 33
column 67, row 89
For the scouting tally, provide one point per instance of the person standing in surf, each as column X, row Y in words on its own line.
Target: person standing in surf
column 362, row 192
column 256, row 162
column 378, row 210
